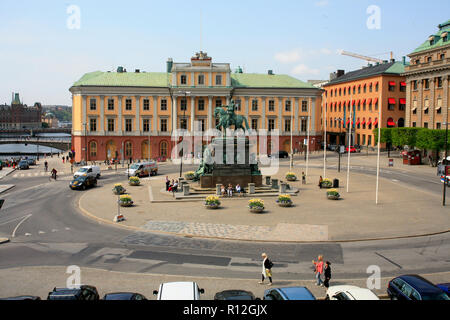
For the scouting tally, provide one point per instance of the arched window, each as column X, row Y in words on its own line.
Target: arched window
column 128, row 149
column 163, row 149
column 93, row 149
column 401, row 123
column 390, row 123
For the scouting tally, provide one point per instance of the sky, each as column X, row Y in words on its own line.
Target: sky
column 45, row 46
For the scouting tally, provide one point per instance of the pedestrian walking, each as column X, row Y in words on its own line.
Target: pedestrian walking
column 63, row 160
column 303, row 178
column 266, row 269
column 320, row 182
column 327, row 274
column 318, row 270
column 46, row 166
column 167, row 183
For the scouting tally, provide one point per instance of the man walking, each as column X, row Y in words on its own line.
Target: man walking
column 327, row 274
column 303, row 178
column 266, row 269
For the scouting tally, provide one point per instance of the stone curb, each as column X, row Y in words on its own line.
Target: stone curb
column 9, row 188
column 4, row 240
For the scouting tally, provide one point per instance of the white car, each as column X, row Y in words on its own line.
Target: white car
column 178, row 291
column 93, row 171
column 350, row 293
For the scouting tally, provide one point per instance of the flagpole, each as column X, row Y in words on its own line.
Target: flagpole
column 380, row 104
column 324, row 111
column 349, row 139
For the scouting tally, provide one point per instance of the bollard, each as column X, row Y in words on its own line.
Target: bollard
column 251, row 188
column 274, row 183
column 283, row 188
column 268, row 180
column 186, row 190
column 218, row 189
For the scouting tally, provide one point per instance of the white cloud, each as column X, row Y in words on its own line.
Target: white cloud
column 288, row 56
column 322, row 3
column 302, row 69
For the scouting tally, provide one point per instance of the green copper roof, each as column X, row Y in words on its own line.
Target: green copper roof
column 437, row 41
column 124, row 79
column 255, row 80
column 159, row 79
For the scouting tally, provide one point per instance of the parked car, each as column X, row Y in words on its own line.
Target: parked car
column 22, row 298
column 31, row 161
column 350, row 293
column 445, row 287
column 84, row 292
column 234, row 295
column 289, row 293
column 332, row 147
column 143, row 169
column 414, row 287
column 351, row 148
column 83, row 182
column 124, row 296
column 280, row 154
column 23, row 165
column 93, row 171
column 178, row 291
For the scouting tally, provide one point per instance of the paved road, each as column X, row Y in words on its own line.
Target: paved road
column 45, row 228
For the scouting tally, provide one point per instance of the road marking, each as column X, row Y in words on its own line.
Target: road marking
column 41, row 232
column 15, row 229
column 27, row 234
column 67, row 228
column 389, row 260
column 395, row 180
column 54, row 230
column 11, row 220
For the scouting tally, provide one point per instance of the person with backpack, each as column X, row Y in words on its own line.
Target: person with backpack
column 266, row 269
column 327, row 274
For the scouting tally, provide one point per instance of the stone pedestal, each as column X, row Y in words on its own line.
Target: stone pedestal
column 251, row 188
column 274, row 183
column 186, row 190
column 218, row 190
column 268, row 180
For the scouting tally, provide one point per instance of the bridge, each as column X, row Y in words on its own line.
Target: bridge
column 57, row 143
column 33, row 132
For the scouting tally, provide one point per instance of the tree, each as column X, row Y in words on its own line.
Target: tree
column 405, row 136
column 432, row 140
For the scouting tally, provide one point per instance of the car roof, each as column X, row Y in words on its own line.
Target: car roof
column 355, row 292
column 119, row 295
column 177, row 290
column 234, row 294
column 419, row 283
column 296, row 293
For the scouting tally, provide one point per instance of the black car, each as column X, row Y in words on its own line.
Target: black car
column 234, row 295
column 414, row 287
column 31, row 161
column 84, row 292
column 124, row 296
column 83, row 182
column 280, row 154
column 22, row 298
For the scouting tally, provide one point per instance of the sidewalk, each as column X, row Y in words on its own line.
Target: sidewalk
column 6, row 171
column 402, row 212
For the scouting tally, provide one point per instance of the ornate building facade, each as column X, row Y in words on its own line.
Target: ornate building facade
column 126, row 115
column 19, row 115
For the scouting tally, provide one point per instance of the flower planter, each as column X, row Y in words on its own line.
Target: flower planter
column 134, row 183
column 212, row 206
column 291, row 178
column 285, row 204
column 256, row 210
column 125, row 203
column 332, row 197
column 116, row 192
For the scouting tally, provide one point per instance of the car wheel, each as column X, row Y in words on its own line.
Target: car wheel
column 98, row 176
column 83, row 187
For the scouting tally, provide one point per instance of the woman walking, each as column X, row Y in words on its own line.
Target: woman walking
column 318, row 270
column 266, row 269
column 327, row 274
column 320, row 182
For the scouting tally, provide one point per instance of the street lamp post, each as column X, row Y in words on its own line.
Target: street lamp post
column 339, row 147
column 184, row 118
column 445, row 164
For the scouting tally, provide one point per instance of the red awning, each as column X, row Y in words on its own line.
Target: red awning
column 369, row 101
column 391, row 123
column 392, row 83
column 359, row 102
column 402, row 101
column 364, row 121
column 403, row 84
column 391, row 101
column 358, row 122
column 375, row 122
column 369, row 122
column 348, row 102
column 348, row 121
column 354, row 101
column 364, row 101
column 375, row 101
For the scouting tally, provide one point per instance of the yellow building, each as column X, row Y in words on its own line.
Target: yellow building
column 127, row 115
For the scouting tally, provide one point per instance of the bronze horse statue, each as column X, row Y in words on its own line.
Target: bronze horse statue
column 228, row 117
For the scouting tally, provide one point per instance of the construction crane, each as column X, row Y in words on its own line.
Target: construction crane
column 359, row 56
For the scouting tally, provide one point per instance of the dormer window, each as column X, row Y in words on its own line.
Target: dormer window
column 183, row 79
column 428, row 59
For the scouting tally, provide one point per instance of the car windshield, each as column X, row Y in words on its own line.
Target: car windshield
column 81, row 178
column 23, row 162
column 135, row 166
column 435, row 296
column 119, row 296
column 83, row 170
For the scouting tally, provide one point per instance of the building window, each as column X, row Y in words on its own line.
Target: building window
column 146, row 104
column 271, row 105
column 426, row 83
column 376, row 87
column 287, row 105
column 163, row 125
column 183, row 79
column 402, row 105
column 364, row 89
column 255, row 105
column 414, row 85
column 183, row 123
column 429, row 59
column 287, row 124
column 305, row 106
column 339, row 92
column 183, row 104
column 414, row 124
column 218, row 80
column 369, row 140
column 146, row 125
column 238, row 105
column 391, row 104
column 111, row 125
column 201, row 105
column 163, row 149
column 438, row 125
column 163, row 104
column 202, row 124
column 128, row 104
column 93, row 104
column 201, row 79
column 370, row 88
column 93, row 149
column 128, row 149
column 345, row 91
column 391, row 86
column 359, row 89
column 93, row 125
column 254, row 124
column 218, row 103
column 110, row 104
column 425, row 124
column 271, row 124
column 442, row 56
column 439, row 82
column 128, row 125
column 303, row 125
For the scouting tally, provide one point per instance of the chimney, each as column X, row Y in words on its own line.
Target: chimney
column 340, row 73
column 137, row 70
column 270, row 72
column 169, row 65
column 404, row 60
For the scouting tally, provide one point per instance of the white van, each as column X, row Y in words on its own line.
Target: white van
column 143, row 169
column 178, row 291
column 93, row 171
